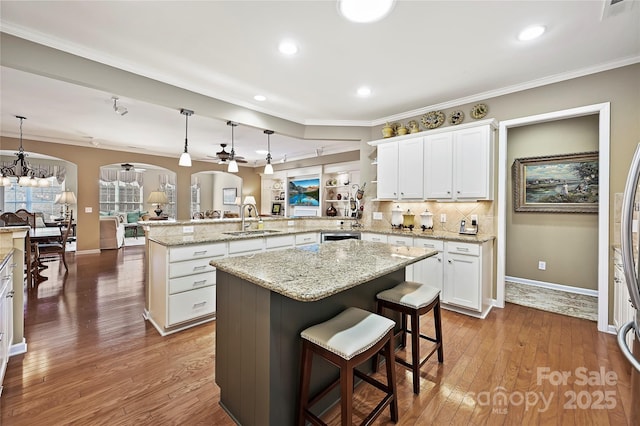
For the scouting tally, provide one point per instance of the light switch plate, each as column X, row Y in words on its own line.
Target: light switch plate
column 88, row 209
column 377, row 215
column 443, row 217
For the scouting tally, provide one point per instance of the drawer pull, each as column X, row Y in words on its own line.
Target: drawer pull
column 199, row 268
column 400, row 243
column 197, row 253
column 199, row 304
column 201, row 282
column 462, row 249
column 375, row 239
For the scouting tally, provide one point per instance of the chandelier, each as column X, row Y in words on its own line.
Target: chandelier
column 26, row 174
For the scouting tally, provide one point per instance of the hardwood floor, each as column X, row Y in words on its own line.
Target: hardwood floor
column 93, row 360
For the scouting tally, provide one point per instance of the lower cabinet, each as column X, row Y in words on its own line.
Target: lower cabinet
column 182, row 290
column 6, row 315
column 307, row 238
column 462, row 271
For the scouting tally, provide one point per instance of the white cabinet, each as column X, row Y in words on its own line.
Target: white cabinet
column 458, row 165
column 400, row 165
column 376, row 238
column 182, row 289
column 244, row 247
column 430, row 270
column 468, row 275
column 623, row 310
column 6, row 314
column 308, row 238
column 280, row 242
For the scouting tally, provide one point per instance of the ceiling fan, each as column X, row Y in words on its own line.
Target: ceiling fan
column 222, row 156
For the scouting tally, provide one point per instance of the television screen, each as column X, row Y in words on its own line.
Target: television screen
column 304, row 192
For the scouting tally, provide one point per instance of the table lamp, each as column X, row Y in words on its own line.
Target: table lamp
column 158, row 198
column 66, row 198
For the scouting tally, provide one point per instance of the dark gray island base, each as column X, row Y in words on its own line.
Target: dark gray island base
column 265, row 300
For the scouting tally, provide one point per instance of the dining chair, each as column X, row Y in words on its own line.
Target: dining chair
column 56, row 248
column 27, row 216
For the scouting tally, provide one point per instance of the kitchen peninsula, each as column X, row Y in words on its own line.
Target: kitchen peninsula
column 264, row 300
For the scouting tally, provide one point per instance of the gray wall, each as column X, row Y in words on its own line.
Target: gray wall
column 568, row 242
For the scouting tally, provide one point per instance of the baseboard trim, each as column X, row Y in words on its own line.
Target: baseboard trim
column 552, row 286
column 18, row 348
column 93, row 251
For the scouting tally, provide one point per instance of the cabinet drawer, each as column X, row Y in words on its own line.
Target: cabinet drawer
column 376, row 238
column 429, row 244
column 309, row 238
column 191, row 304
column 189, row 267
column 463, row 248
column 178, row 285
column 281, row 241
column 243, row 246
column 400, row 240
column 177, row 254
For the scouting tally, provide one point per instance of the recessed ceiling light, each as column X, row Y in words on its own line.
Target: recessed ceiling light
column 531, row 32
column 287, row 47
column 364, row 11
column 260, row 98
column 364, row 91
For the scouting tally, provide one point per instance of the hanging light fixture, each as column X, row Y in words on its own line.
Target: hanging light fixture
column 185, row 158
column 233, row 164
column 268, row 168
column 22, row 170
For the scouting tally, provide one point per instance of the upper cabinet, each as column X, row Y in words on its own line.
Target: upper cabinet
column 400, row 165
column 454, row 164
column 458, row 165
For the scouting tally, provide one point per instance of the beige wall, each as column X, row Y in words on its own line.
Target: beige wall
column 567, row 242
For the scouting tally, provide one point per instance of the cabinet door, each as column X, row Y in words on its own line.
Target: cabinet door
column 438, row 166
column 473, row 163
column 388, row 170
column 462, row 281
column 430, row 271
column 410, row 169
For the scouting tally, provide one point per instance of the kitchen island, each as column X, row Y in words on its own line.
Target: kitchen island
column 264, row 301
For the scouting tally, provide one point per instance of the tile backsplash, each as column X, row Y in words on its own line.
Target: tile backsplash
column 454, row 211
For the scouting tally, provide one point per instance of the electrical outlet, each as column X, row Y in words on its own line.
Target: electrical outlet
column 290, row 223
column 542, row 265
column 187, row 229
column 443, row 217
column 90, row 210
column 474, row 218
column 377, row 215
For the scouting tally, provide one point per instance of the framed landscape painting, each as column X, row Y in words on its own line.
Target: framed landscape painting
column 565, row 183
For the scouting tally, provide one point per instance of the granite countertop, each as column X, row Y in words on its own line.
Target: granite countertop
column 221, row 236
column 311, row 273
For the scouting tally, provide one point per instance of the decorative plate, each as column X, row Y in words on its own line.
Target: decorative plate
column 479, row 111
column 277, row 185
column 433, row 119
column 456, row 117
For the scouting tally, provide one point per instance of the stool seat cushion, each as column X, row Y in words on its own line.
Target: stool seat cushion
column 349, row 333
column 410, row 294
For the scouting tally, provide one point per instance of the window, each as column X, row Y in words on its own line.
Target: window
column 120, row 191
column 33, row 198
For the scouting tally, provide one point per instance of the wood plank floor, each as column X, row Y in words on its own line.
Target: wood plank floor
column 93, row 360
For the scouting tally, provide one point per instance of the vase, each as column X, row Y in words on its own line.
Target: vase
column 387, row 131
column 331, row 211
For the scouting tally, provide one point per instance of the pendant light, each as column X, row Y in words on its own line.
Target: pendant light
column 268, row 168
column 185, row 158
column 233, row 165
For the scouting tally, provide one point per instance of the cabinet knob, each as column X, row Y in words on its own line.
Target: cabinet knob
column 458, row 192
column 439, row 260
column 450, row 261
column 448, row 192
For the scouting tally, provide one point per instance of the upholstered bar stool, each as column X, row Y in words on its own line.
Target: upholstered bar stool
column 413, row 299
column 347, row 340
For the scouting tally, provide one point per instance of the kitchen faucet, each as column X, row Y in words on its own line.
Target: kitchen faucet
column 242, row 206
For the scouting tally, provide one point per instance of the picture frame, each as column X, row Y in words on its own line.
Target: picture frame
column 229, row 195
column 276, row 208
column 566, row 183
column 282, row 196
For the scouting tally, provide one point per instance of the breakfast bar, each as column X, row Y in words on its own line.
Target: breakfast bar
column 263, row 302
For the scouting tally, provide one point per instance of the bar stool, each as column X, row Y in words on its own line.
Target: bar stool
column 346, row 341
column 413, row 299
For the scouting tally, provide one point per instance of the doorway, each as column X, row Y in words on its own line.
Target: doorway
column 603, row 112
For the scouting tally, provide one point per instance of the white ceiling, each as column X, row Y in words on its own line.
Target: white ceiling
column 424, row 55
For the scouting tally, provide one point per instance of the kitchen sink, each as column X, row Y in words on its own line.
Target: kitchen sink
column 252, row 232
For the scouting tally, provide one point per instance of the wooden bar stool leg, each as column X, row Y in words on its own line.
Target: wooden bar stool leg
column 346, row 385
column 403, row 323
column 415, row 350
column 305, row 378
column 438, row 325
column 391, row 378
